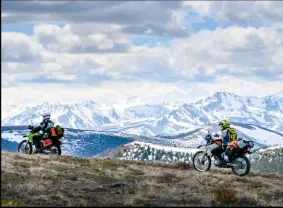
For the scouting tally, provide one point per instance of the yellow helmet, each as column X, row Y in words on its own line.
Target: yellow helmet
column 224, row 124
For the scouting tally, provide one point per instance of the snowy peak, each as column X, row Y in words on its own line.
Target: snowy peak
column 223, row 101
column 88, row 103
column 147, row 111
column 189, row 113
column 272, row 104
column 224, row 95
column 233, row 101
column 134, row 101
column 84, row 116
column 136, row 116
column 278, row 96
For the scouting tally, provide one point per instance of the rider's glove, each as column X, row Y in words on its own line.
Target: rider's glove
column 224, row 147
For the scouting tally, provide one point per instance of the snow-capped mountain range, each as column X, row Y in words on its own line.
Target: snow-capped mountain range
column 134, row 116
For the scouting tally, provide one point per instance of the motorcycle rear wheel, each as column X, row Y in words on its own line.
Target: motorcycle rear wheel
column 241, row 161
column 58, row 149
column 53, row 150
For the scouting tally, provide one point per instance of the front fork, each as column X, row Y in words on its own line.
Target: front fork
column 29, row 139
column 203, row 158
column 26, row 145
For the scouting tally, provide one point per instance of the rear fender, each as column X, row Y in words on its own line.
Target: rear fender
column 239, row 154
column 56, row 141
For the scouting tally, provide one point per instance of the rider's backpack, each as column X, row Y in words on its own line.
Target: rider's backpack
column 53, row 132
column 59, row 131
column 232, row 134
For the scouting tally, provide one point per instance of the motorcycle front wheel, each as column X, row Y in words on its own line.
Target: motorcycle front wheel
column 201, row 162
column 25, row 147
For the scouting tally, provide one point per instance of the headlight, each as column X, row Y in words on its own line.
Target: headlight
column 207, row 137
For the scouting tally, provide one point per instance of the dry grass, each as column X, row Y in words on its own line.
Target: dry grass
column 73, row 181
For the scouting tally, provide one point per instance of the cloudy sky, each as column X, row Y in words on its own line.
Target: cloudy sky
column 107, row 51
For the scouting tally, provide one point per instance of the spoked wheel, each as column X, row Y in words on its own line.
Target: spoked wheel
column 55, row 150
column 201, row 161
column 25, row 147
column 241, row 166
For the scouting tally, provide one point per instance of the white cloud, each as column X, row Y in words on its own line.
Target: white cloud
column 18, row 47
column 253, row 86
column 12, row 73
column 206, row 53
column 97, row 37
column 239, row 12
column 152, row 92
column 135, row 17
column 109, row 91
column 16, row 72
column 278, row 57
column 69, row 39
column 233, row 49
column 95, row 46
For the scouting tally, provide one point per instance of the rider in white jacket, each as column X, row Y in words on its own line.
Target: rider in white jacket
column 44, row 126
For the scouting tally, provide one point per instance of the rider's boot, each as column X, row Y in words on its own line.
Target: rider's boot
column 219, row 161
column 228, row 160
column 223, row 161
column 37, row 147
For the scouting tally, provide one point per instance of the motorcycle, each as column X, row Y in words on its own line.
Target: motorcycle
column 239, row 164
column 48, row 145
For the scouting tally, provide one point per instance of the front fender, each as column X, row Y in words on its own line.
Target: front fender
column 30, row 136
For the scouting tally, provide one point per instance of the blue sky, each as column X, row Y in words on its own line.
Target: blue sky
column 207, row 24
column 21, row 28
column 173, row 47
column 26, row 28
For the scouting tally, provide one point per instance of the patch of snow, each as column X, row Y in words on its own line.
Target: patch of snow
column 263, row 136
column 13, row 137
column 165, row 148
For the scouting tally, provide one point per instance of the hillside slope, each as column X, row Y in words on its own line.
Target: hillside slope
column 89, row 143
column 77, row 142
column 261, row 136
column 72, row 181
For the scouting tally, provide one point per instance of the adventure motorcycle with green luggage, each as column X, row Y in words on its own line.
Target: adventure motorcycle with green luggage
column 50, row 144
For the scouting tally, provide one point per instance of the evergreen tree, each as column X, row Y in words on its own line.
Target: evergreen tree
column 148, row 149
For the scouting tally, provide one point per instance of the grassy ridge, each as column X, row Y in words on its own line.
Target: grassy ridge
column 266, row 161
column 38, row 180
